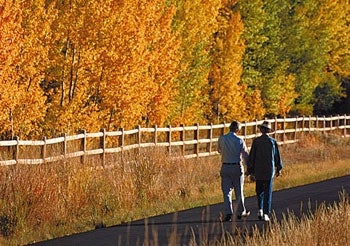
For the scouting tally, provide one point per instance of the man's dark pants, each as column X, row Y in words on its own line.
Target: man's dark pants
column 263, row 190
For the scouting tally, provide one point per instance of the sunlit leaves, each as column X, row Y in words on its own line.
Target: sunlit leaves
column 68, row 65
column 23, row 61
column 195, row 21
column 226, row 92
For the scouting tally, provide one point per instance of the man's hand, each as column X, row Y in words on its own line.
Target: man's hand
column 249, row 171
column 252, row 178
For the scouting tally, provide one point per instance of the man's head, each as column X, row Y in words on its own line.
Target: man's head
column 235, row 126
column 265, row 127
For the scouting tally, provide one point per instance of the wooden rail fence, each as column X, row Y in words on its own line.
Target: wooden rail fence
column 188, row 141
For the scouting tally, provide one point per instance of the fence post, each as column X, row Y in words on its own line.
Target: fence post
column 121, row 145
column 303, row 126
column 245, row 130
column 223, row 128
column 324, row 124
column 64, row 146
column 139, row 136
column 284, row 129
column 138, row 139
column 310, row 123
column 121, row 138
column 196, row 137
column 345, row 125
column 183, row 138
column 256, row 127
column 83, row 147
column 296, row 128
column 275, row 128
column 43, row 150
column 169, row 140
column 103, row 146
column 17, row 149
column 155, row 137
column 210, row 137
column 338, row 121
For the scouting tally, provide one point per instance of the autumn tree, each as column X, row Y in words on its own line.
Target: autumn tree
column 10, row 49
column 23, row 59
column 226, row 92
column 265, row 64
column 113, row 65
column 74, row 66
column 138, row 74
column 289, row 44
column 195, row 21
column 334, row 15
column 308, row 39
column 70, row 65
column 253, row 17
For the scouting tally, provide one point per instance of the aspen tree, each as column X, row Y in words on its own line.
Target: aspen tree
column 226, row 91
column 195, row 21
column 23, row 62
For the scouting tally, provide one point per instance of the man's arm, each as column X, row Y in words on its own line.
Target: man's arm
column 219, row 144
column 278, row 160
column 244, row 152
column 251, row 159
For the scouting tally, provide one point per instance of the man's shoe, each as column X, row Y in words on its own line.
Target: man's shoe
column 228, row 218
column 266, row 217
column 245, row 214
column 260, row 214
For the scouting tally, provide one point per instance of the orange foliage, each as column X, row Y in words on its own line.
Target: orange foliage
column 70, row 65
column 114, row 64
column 22, row 64
column 254, row 105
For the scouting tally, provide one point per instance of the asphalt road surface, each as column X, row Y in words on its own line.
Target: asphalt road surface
column 202, row 224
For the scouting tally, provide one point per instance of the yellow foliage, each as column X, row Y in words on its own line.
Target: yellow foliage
column 196, row 21
column 22, row 65
column 255, row 105
column 68, row 65
column 335, row 15
column 227, row 96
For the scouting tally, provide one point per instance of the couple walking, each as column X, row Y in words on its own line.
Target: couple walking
column 263, row 163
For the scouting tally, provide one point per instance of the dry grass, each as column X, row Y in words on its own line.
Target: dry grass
column 47, row 201
column 326, row 226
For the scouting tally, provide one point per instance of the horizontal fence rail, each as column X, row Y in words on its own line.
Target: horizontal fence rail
column 187, row 141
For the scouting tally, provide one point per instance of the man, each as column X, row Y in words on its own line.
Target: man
column 233, row 149
column 264, row 163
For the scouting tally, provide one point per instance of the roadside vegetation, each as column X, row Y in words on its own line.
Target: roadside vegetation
column 48, row 201
column 328, row 225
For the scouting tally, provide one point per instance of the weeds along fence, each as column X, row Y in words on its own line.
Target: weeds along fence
column 187, row 141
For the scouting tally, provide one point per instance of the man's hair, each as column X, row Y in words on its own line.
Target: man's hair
column 235, row 126
column 264, row 129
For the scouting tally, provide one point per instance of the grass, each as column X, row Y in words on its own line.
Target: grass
column 53, row 200
column 328, row 225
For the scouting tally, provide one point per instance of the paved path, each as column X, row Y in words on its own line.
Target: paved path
column 179, row 228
